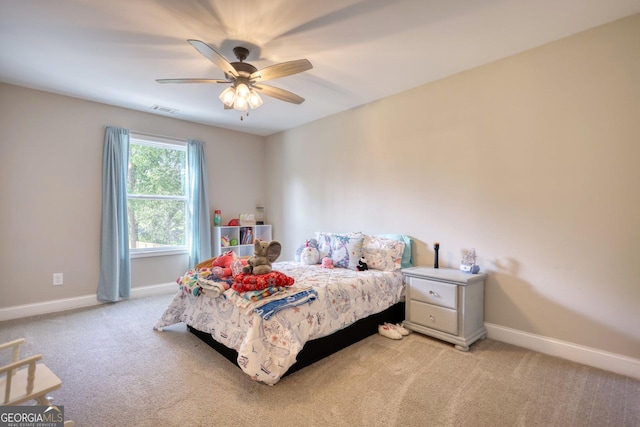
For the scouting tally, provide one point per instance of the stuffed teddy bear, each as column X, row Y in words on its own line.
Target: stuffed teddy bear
column 362, row 265
column 264, row 254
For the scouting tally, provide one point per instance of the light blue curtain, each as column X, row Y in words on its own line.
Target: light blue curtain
column 199, row 208
column 115, row 268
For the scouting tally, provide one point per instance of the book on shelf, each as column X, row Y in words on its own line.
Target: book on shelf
column 246, row 236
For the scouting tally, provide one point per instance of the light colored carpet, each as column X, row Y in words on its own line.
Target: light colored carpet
column 117, row 371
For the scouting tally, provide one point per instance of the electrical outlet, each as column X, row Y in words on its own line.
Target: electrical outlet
column 57, row 279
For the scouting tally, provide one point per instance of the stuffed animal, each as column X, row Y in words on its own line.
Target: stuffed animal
column 309, row 255
column 264, row 254
column 309, row 243
column 224, row 265
column 327, row 262
column 362, row 265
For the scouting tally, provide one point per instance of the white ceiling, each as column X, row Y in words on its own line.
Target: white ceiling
column 111, row 51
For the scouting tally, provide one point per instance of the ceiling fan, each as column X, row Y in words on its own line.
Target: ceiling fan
column 245, row 79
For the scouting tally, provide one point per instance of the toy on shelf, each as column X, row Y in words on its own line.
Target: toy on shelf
column 224, row 241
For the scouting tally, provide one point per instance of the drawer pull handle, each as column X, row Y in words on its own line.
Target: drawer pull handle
column 433, row 319
column 435, row 294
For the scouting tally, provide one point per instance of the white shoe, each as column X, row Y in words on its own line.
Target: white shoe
column 403, row 331
column 389, row 332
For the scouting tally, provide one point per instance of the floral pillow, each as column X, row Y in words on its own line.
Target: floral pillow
column 346, row 250
column 407, row 258
column 324, row 244
column 383, row 254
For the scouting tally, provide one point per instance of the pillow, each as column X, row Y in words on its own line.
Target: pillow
column 324, row 244
column 383, row 254
column 407, row 257
column 346, row 250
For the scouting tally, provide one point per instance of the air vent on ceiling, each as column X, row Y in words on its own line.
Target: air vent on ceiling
column 163, row 109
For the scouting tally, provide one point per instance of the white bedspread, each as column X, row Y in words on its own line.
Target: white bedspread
column 267, row 348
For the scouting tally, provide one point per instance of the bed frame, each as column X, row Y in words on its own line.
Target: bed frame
column 320, row 348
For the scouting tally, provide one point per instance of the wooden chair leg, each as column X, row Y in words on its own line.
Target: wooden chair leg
column 46, row 401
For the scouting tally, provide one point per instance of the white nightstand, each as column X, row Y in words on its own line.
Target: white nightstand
column 446, row 304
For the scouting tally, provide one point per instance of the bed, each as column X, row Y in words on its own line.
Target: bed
column 323, row 311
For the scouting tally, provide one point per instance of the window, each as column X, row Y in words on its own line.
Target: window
column 157, row 196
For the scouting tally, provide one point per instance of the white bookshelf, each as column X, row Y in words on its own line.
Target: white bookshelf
column 245, row 236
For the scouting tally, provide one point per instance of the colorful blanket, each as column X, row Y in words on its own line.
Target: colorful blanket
column 201, row 280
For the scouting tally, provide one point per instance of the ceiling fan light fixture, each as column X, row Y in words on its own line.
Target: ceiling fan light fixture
column 242, row 90
column 254, row 99
column 241, row 103
column 228, row 96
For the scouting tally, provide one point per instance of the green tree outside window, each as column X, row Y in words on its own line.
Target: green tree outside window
column 157, row 195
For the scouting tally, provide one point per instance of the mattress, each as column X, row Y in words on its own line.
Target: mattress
column 267, row 345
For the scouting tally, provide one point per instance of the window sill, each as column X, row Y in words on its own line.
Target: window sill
column 154, row 253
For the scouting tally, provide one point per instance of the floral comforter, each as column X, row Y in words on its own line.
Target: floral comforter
column 268, row 347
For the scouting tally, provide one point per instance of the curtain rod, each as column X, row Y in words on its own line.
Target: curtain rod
column 158, row 136
column 152, row 134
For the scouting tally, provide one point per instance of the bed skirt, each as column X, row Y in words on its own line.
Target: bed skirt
column 320, row 348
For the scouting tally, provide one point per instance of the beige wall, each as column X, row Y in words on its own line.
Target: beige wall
column 532, row 160
column 50, row 190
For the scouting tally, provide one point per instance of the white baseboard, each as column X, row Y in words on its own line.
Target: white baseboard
column 54, row 306
column 613, row 362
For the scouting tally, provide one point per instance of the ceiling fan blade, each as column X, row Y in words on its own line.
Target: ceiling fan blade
column 191, row 81
column 281, row 94
column 281, row 70
column 213, row 56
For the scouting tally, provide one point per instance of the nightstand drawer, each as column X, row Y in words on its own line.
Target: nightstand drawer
column 432, row 292
column 434, row 317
